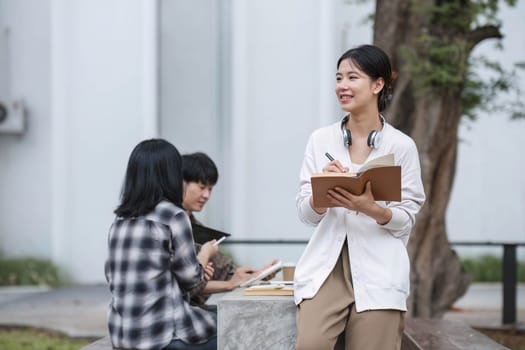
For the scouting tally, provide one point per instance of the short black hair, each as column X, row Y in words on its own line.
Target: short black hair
column 198, row 167
column 154, row 173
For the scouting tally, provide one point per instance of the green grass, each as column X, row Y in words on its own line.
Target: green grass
column 26, row 339
column 31, row 271
column 489, row 268
column 28, row 271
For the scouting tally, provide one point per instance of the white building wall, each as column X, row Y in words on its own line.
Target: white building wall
column 279, row 60
column 86, row 69
column 25, row 208
column 275, row 91
column 247, row 87
column 191, row 89
column 98, row 116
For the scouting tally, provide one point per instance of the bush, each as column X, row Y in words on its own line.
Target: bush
column 34, row 339
column 489, row 268
column 28, row 271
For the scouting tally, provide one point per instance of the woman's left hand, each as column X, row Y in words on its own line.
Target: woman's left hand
column 240, row 275
column 272, row 275
column 208, row 271
column 360, row 203
column 364, row 203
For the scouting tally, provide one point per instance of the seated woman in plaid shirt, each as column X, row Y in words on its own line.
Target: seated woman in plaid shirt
column 152, row 267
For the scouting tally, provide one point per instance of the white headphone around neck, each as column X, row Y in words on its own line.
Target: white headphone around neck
column 373, row 140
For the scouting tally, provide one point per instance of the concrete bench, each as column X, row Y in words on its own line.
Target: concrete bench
column 434, row 334
column 268, row 323
column 101, row 344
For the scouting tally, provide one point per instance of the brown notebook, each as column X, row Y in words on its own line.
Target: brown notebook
column 383, row 175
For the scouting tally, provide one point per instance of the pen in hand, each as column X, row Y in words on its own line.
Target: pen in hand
column 338, row 165
column 220, row 240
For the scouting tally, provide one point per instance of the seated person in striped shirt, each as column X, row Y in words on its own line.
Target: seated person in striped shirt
column 200, row 175
column 151, row 266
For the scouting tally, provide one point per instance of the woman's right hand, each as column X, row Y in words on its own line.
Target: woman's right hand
column 335, row 166
column 208, row 250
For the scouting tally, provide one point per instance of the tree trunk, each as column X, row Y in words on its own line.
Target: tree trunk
column 431, row 119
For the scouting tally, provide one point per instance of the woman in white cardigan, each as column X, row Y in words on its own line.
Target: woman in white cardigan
column 353, row 276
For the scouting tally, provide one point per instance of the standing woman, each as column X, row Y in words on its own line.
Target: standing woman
column 353, row 276
column 151, row 266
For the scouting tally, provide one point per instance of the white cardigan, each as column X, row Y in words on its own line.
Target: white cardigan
column 379, row 261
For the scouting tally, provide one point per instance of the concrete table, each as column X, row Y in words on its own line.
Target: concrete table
column 255, row 322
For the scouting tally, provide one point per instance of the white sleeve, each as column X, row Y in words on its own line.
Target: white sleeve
column 305, row 211
column 412, row 193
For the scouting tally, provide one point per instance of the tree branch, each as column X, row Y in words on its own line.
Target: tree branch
column 479, row 34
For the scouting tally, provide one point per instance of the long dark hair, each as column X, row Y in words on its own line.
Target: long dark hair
column 154, row 173
column 376, row 64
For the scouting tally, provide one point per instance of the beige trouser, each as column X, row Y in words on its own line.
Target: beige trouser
column 331, row 311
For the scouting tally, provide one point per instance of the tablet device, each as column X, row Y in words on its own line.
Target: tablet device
column 203, row 234
column 265, row 273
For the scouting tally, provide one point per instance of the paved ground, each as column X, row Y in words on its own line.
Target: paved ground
column 481, row 306
column 80, row 311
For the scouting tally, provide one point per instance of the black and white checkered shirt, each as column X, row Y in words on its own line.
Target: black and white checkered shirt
column 151, row 269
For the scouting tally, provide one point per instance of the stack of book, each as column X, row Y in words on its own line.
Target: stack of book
column 270, row 289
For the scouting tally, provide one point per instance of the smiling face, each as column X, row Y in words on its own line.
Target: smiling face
column 196, row 194
column 355, row 90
